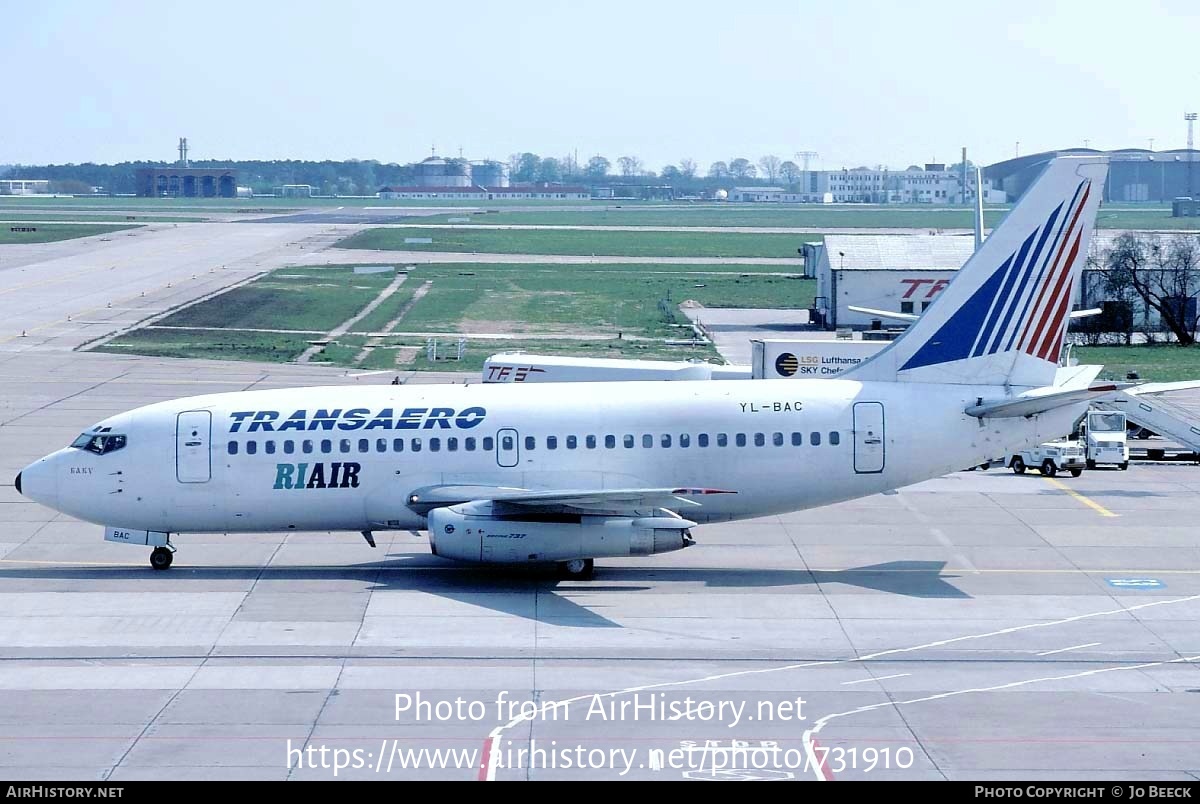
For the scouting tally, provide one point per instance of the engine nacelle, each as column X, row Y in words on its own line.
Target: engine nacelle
column 466, row 533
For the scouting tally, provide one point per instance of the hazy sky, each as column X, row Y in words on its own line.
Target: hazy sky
column 859, row 82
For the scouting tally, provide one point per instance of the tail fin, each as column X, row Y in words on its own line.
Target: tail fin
column 1002, row 318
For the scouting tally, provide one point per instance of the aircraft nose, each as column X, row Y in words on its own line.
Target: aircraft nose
column 38, row 482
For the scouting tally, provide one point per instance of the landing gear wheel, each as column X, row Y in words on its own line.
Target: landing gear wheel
column 1123, row 465
column 1049, row 468
column 1076, row 472
column 1018, row 465
column 160, row 558
column 580, row 569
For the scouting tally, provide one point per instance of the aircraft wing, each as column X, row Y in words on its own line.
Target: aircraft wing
column 1039, row 401
column 616, row 502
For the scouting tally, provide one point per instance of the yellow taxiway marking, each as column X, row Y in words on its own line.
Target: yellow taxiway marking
column 1090, row 503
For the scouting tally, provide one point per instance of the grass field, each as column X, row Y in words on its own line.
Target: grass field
column 14, row 214
column 573, row 309
column 807, row 216
column 1152, row 363
column 581, row 243
column 54, row 232
column 300, row 298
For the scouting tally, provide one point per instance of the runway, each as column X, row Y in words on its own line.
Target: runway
column 982, row 625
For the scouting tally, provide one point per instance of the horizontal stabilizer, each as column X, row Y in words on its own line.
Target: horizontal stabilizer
column 1038, row 401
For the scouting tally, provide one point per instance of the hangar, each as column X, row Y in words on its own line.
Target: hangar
column 897, row 273
column 186, row 182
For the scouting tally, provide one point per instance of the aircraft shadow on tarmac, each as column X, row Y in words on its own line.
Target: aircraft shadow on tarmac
column 507, row 590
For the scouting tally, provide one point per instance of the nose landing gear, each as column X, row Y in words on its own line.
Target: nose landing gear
column 161, row 557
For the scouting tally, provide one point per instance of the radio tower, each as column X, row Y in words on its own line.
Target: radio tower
column 1190, row 117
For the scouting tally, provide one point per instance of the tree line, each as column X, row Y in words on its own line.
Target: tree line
column 367, row 176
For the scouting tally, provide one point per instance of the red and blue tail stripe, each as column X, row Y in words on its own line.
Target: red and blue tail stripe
column 1033, row 281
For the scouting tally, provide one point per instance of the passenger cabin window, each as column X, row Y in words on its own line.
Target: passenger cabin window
column 627, row 441
column 722, row 440
column 685, row 440
column 435, row 444
column 610, row 441
column 345, row 445
column 551, row 442
column 469, row 444
column 101, row 444
column 666, row 441
column 835, row 438
column 251, row 447
column 306, row 446
column 702, row 439
column 269, row 446
column 381, row 445
column 364, row 445
column 777, row 439
column 591, row 442
column 760, row 440
column 530, row 442
column 489, row 443
column 397, row 445
column 233, row 448
column 815, row 439
column 416, row 445
column 289, row 446
column 647, row 441
column 572, row 442
column 326, row 445
column 452, row 445
column 740, row 439
column 797, row 439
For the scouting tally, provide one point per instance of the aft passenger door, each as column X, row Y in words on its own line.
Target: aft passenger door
column 508, row 448
column 870, row 442
column 193, row 432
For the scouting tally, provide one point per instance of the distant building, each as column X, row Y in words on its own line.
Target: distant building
column 181, row 182
column 764, row 195
column 295, row 191
column 933, row 184
column 24, row 186
column 1134, row 174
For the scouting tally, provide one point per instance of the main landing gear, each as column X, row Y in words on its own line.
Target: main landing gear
column 161, row 557
column 579, row 569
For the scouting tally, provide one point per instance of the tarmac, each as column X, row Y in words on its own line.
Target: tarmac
column 978, row 626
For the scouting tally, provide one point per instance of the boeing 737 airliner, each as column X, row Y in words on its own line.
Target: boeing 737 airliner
column 570, row 472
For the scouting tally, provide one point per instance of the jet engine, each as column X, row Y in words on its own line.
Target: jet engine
column 474, row 532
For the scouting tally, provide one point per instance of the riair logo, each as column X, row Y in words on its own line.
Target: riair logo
column 334, row 475
column 273, row 421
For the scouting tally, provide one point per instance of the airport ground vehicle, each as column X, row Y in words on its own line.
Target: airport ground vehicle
column 1104, row 439
column 1050, row 458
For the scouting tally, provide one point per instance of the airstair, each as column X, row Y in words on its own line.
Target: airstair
column 1172, row 410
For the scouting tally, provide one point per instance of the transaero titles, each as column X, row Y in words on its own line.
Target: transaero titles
column 273, row 421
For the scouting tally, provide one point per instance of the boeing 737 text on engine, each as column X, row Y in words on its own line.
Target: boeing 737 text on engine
column 571, row 472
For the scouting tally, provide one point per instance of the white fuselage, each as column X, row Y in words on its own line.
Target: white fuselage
column 249, row 461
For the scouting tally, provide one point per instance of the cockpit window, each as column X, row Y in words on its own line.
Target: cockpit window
column 99, row 443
